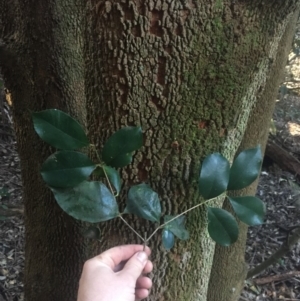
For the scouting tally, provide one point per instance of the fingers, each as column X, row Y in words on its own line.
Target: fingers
column 141, row 293
column 144, row 282
column 134, row 266
column 148, row 267
column 114, row 256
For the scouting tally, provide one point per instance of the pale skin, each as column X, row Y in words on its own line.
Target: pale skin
column 118, row 274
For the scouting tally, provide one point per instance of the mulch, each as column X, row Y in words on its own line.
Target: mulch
column 280, row 190
column 281, row 281
column 11, row 220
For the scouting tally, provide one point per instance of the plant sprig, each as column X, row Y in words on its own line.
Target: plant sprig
column 67, row 171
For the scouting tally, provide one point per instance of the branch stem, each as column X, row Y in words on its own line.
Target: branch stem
column 143, row 239
column 182, row 213
column 107, row 179
column 95, row 149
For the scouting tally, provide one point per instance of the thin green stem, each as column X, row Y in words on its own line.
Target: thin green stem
column 112, row 191
column 95, row 149
column 159, row 227
column 107, row 179
column 143, row 239
column 184, row 212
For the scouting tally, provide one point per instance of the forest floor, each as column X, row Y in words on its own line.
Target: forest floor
column 279, row 189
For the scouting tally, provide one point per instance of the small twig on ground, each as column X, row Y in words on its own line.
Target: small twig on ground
column 280, row 277
column 285, row 248
column 11, row 210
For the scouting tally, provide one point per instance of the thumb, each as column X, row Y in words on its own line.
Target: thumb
column 135, row 265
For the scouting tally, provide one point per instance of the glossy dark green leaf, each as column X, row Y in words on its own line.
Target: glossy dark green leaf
column 59, row 130
column 66, row 169
column 113, row 177
column 143, row 202
column 245, row 168
column 117, row 151
column 222, row 226
column 168, row 239
column 121, row 160
column 89, row 201
column 92, row 232
column 98, row 172
column 249, row 209
column 214, row 176
column 177, row 226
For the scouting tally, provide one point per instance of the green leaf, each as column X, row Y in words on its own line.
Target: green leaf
column 143, row 202
column 222, row 226
column 92, row 232
column 168, row 239
column 4, row 192
column 98, row 172
column 66, row 169
column 117, row 151
column 249, row 209
column 245, row 168
column 177, row 226
column 122, row 160
column 89, row 201
column 214, row 176
column 59, row 130
column 113, row 177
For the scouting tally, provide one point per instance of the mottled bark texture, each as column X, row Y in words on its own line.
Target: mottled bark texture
column 190, row 73
column 42, row 69
column 227, row 285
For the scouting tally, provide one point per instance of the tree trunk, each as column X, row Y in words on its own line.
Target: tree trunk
column 190, row 73
column 42, row 67
column 227, row 285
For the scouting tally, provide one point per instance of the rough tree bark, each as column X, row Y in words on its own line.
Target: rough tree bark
column 188, row 71
column 223, row 285
column 41, row 60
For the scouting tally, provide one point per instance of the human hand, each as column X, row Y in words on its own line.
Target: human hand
column 116, row 275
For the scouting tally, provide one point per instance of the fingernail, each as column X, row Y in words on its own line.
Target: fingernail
column 142, row 257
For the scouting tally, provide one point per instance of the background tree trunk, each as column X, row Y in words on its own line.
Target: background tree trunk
column 226, row 285
column 42, row 69
column 189, row 72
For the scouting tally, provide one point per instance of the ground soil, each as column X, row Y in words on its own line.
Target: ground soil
column 279, row 190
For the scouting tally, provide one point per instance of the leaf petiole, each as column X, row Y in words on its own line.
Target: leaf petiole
column 107, row 179
column 143, row 239
column 182, row 213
